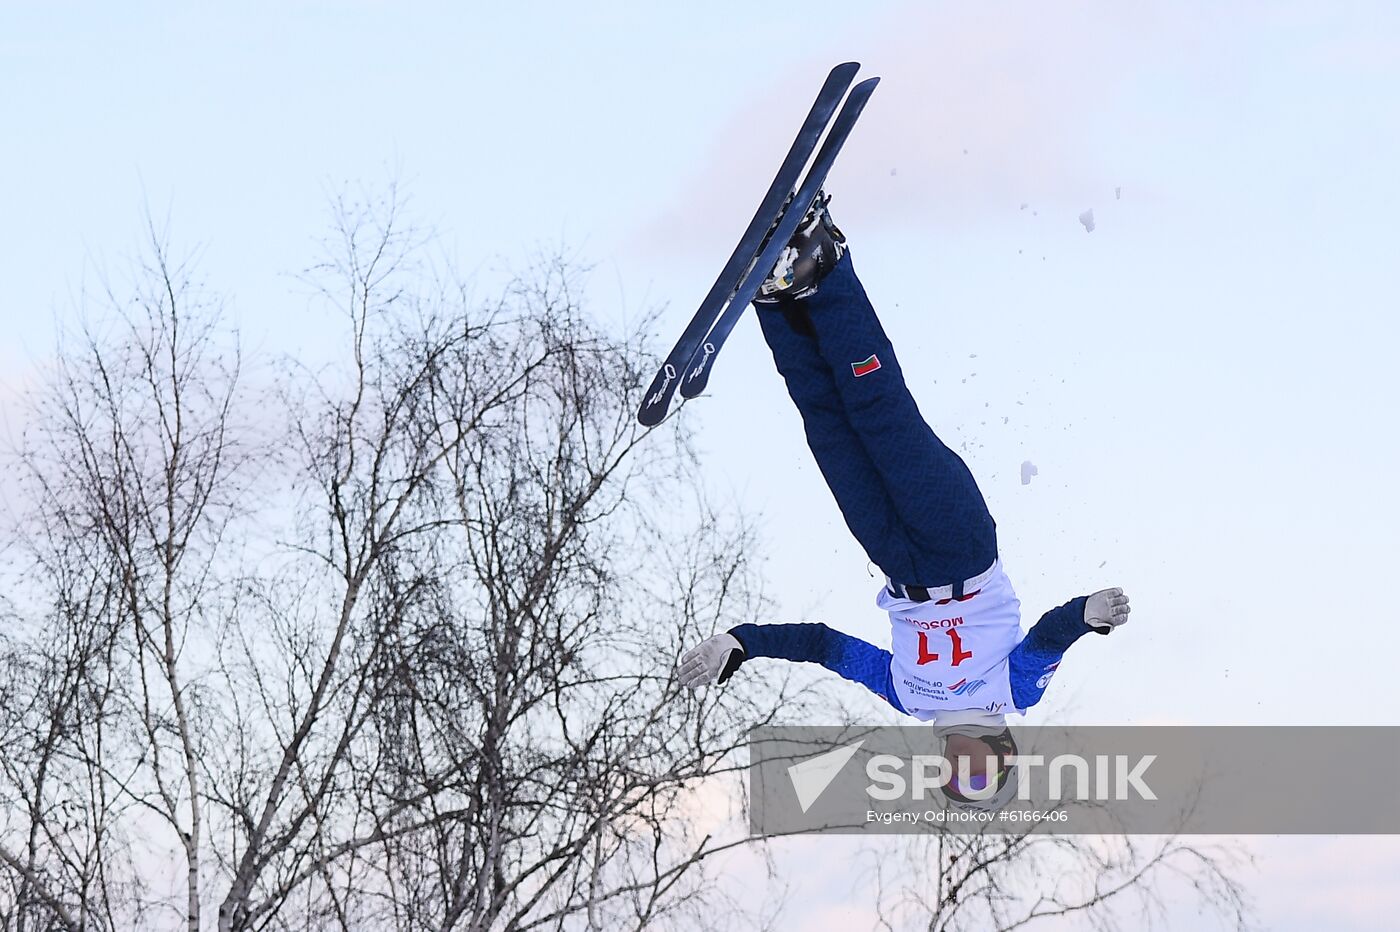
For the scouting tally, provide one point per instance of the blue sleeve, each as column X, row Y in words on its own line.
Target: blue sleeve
column 1034, row 661
column 847, row 656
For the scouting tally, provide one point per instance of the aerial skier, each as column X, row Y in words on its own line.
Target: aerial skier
column 958, row 656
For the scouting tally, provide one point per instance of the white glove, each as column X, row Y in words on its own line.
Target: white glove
column 710, row 661
column 1106, row 610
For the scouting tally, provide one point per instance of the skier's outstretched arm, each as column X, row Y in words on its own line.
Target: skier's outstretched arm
column 716, row 659
column 1034, row 661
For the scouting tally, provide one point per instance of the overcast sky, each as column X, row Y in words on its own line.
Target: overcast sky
column 1202, row 383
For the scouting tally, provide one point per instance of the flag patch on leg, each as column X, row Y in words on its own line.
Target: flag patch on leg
column 859, row 369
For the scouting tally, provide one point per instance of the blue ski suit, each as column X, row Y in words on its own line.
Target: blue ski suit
column 909, row 500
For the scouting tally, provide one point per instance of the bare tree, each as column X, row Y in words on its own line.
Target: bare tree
column 1012, row 881
column 494, row 725
column 128, row 472
column 390, row 646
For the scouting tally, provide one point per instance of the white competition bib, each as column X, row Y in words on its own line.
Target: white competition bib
column 953, row 656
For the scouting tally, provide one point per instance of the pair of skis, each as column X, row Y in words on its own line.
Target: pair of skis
column 688, row 366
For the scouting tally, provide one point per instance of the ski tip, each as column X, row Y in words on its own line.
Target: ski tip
column 843, row 73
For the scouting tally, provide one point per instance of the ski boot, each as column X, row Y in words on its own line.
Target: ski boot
column 811, row 253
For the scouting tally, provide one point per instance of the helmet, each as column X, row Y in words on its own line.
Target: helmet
column 976, row 796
